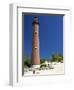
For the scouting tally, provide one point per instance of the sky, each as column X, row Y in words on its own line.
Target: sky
column 50, row 35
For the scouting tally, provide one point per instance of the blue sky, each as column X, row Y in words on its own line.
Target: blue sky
column 50, row 34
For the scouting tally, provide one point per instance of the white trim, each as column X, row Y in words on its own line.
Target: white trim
column 16, row 38
column 13, row 52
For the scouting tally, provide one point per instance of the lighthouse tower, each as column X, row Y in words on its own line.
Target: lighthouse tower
column 35, row 60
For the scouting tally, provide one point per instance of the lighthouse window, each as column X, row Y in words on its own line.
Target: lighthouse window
column 35, row 32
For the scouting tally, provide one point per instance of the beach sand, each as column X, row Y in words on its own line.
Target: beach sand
column 58, row 69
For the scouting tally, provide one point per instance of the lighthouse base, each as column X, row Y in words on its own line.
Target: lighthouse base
column 35, row 66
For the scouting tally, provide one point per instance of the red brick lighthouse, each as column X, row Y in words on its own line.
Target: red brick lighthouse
column 35, row 60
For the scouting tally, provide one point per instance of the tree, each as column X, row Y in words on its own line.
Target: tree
column 57, row 58
column 27, row 61
column 42, row 61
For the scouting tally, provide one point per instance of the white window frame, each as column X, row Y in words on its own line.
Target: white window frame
column 16, row 44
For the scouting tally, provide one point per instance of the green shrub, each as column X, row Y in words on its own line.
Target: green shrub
column 43, row 65
column 27, row 63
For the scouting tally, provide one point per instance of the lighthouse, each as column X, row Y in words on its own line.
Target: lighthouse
column 35, row 60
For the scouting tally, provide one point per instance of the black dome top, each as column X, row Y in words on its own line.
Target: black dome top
column 35, row 21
